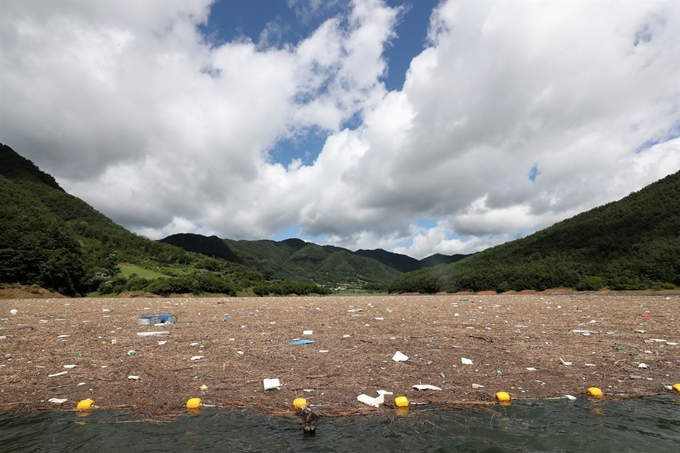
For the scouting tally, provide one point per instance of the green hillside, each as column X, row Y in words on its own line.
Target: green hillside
column 55, row 240
column 295, row 259
column 630, row 244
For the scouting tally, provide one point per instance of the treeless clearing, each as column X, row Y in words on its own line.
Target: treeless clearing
column 514, row 341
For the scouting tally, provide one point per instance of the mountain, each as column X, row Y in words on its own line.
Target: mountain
column 438, row 259
column 55, row 240
column 294, row 259
column 633, row 243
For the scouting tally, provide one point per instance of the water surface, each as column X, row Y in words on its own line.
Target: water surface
column 650, row 424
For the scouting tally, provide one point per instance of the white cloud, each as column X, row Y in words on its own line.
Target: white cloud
column 131, row 109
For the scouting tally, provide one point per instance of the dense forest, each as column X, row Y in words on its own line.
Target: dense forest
column 57, row 241
column 296, row 259
column 630, row 244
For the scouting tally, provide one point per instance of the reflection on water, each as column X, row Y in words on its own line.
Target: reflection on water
column 649, row 424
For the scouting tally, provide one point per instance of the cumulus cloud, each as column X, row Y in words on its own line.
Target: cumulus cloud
column 133, row 110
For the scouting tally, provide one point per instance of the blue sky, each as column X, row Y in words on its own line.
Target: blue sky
column 235, row 20
column 419, row 127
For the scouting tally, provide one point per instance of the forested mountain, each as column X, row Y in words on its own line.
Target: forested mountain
column 630, row 244
column 55, row 240
column 297, row 259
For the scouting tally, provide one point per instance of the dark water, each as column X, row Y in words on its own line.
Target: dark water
column 637, row 425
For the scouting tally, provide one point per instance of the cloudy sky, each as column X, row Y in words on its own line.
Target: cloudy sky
column 419, row 127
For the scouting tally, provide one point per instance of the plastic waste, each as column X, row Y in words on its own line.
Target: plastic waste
column 151, row 334
column 197, row 357
column 298, row 342
column 425, row 387
column 57, row 400
column 13, row 311
column 61, row 373
column 399, row 357
column 133, row 378
column 466, row 361
column 131, row 352
column 150, row 318
column 307, row 332
column 370, row 401
column 271, row 384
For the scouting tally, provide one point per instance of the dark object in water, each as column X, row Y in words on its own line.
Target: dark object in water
column 308, row 417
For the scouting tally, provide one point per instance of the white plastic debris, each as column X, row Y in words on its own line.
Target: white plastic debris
column 197, row 357
column 570, row 397
column 271, row 384
column 644, row 366
column 399, row 357
column 425, row 387
column 466, row 361
column 477, row 386
column 370, row 401
column 13, row 311
column 659, row 340
column 161, row 343
column 307, row 332
column 63, row 337
column 61, row 373
column 530, row 368
column 69, row 366
column 639, row 331
column 565, row 363
column 151, row 334
column 57, row 400
column 133, row 378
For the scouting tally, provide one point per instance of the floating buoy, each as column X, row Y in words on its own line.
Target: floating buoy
column 595, row 392
column 194, row 403
column 299, row 403
column 676, row 387
column 503, row 397
column 401, row 401
column 85, row 404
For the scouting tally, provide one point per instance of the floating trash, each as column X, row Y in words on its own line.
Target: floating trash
column 271, row 384
column 466, row 361
column 425, row 387
column 399, row 357
column 61, row 373
column 299, row 342
column 57, row 400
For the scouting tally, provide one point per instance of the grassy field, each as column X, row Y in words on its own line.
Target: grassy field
column 129, row 269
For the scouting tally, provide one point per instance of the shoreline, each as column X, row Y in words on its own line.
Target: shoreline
column 522, row 336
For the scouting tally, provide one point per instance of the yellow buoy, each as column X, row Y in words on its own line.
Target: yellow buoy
column 595, row 392
column 194, row 403
column 676, row 387
column 503, row 396
column 299, row 403
column 85, row 404
column 401, row 401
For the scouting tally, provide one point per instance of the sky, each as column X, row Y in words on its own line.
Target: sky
column 418, row 127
